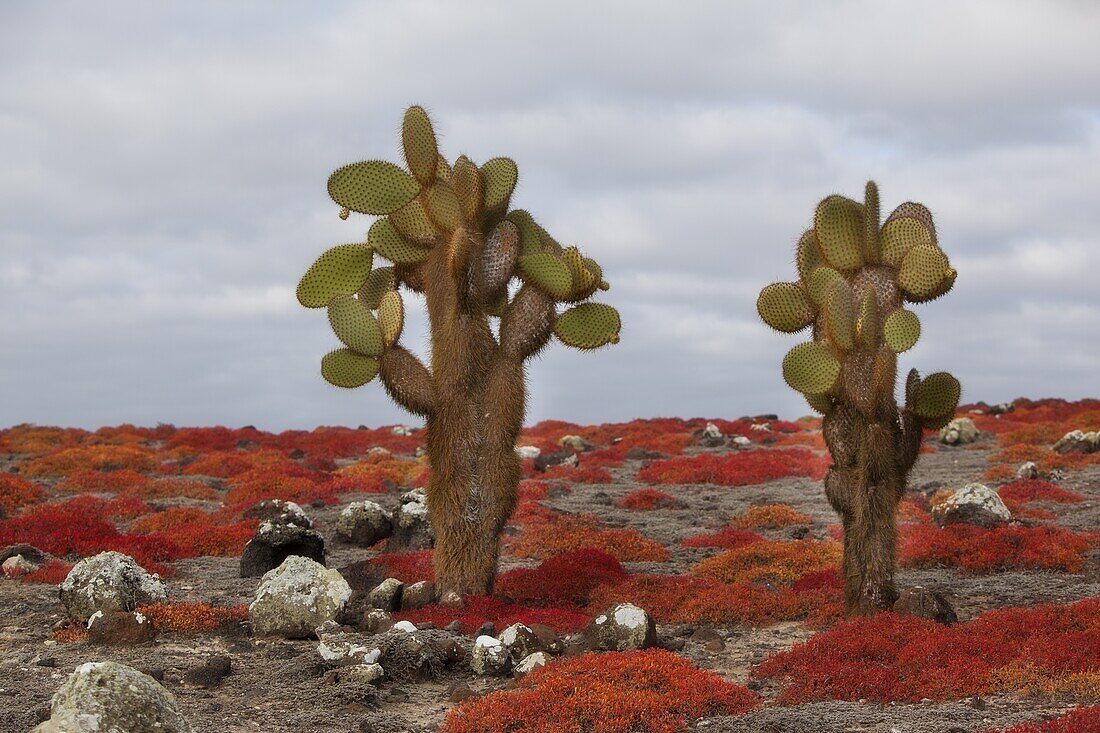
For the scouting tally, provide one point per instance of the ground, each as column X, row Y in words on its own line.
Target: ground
column 764, row 585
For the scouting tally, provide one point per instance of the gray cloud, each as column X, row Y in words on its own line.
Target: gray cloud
column 164, row 167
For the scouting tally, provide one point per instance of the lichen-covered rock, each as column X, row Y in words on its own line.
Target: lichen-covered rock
column 930, row 604
column 575, row 443
column 30, row 553
column 959, row 431
column 120, row 628
column 412, row 527
column 489, row 657
column 740, row 441
column 530, row 663
column 297, row 597
column 363, row 523
column 1078, row 441
column 975, row 504
column 621, row 628
column 521, row 641
column 711, row 436
column 417, row 595
column 109, row 581
column 1028, row 470
column 277, row 510
column 17, row 566
column 274, row 542
column 386, row 595
column 106, row 697
column 527, row 452
column 363, row 674
column 557, row 458
column 338, row 648
column 409, row 655
column 377, row 621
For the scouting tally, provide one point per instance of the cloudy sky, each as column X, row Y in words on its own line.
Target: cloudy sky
column 162, row 188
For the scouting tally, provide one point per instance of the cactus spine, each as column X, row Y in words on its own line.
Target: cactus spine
column 449, row 232
column 853, row 278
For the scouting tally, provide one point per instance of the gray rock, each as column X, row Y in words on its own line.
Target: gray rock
column 282, row 512
column 112, row 698
column 557, row 458
column 109, row 581
column 209, row 673
column 363, row 523
column 1028, row 470
column 363, row 674
column 972, row 504
column 377, row 621
column 925, row 603
column 621, row 628
column 274, row 542
column 521, row 642
column 526, row 452
column 338, row 648
column 575, row 443
column 530, row 663
column 959, row 431
column 1078, row 441
column 17, row 565
column 30, row 553
column 711, row 436
column 297, row 597
column 740, row 441
column 490, row 657
column 417, row 595
column 120, row 628
column 386, row 595
column 412, row 527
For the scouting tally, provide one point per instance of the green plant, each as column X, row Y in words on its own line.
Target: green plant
column 450, row 235
column 853, row 278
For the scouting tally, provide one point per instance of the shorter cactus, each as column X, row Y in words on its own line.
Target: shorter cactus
column 853, row 277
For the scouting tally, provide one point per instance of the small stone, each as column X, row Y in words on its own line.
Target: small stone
column 621, row 628
column 109, row 581
column 17, row 566
column 279, row 511
column 527, row 452
column 412, row 528
column 386, row 595
column 972, row 504
column 637, row 453
column 45, row 662
column 274, row 542
column 1028, row 470
column 959, row 431
column 557, row 458
column 297, row 597
column 377, row 621
column 741, row 441
column 210, row 673
column 672, row 644
column 486, row 629
column 402, row 430
column 549, row 640
column 575, row 443
column 30, row 553
column 490, row 657
column 364, row 523
column 407, row 626
column 925, row 603
column 1078, row 441
column 715, row 645
column 338, row 648
column 120, row 628
column 363, row 674
column 530, row 663
column 417, row 595
column 455, row 627
column 520, row 641
column 459, row 692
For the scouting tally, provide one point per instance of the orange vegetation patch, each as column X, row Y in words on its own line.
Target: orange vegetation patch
column 579, row 474
column 36, row 439
column 561, row 533
column 651, row 691
column 727, row 537
column 648, row 499
column 408, row 567
column 380, row 472
column 227, row 464
column 890, row 658
column 194, row 533
column 977, row 550
column 16, row 492
column 771, row 560
column 193, row 617
column 1078, row 720
column 736, row 469
column 771, row 516
column 91, row 457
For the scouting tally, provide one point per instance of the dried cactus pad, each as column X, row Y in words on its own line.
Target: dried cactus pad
column 345, row 368
column 588, row 326
column 355, row 325
column 372, row 187
column 340, row 271
column 785, row 307
column 811, row 368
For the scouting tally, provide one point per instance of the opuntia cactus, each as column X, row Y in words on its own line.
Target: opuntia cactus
column 853, row 278
column 450, row 235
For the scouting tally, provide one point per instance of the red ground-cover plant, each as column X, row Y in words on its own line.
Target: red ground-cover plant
column 648, row 499
column 91, row 457
column 557, row 534
column 771, row 560
column 16, row 492
column 727, row 537
column 90, row 481
column 192, row 617
column 1025, row 490
column 771, row 516
column 891, row 658
column 51, row 573
column 479, row 609
column 579, row 474
column 408, row 567
column 977, row 550
column 228, row 464
column 260, row 485
column 651, row 691
column 561, row 580
column 736, row 469
column 217, row 438
column 1078, row 720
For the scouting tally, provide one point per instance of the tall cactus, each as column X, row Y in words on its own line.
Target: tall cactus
column 853, row 278
column 450, row 235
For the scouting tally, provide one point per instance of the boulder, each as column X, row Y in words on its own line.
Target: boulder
column 1028, row 470
column 557, row 458
column 111, row 697
column 30, row 553
column 959, row 431
column 520, row 641
column 363, row 674
column 711, row 436
column 109, row 581
column 409, row 655
column 1078, row 441
column 297, row 597
column 17, row 566
column 575, row 443
column 120, row 628
column 530, row 663
column 526, row 452
column 417, row 595
column 386, row 595
column 274, row 542
column 975, row 504
column 279, row 511
column 740, row 441
column 490, row 657
column 621, row 628
column 363, row 523
column 377, row 621
column 412, row 527
column 930, row 604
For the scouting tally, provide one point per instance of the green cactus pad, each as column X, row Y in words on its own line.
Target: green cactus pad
column 821, row 403
column 811, row 368
column 380, row 280
column 916, row 211
column 869, row 323
column 923, row 272
column 499, row 177
column 839, row 227
column 444, row 208
column 413, row 224
column 372, row 187
column 588, row 326
column 355, row 325
column 443, row 169
column 466, row 182
column 901, row 234
column 384, row 239
column 529, row 240
column 820, row 282
column 936, row 397
column 872, row 241
column 584, row 280
column 339, row 271
column 391, row 317
column 840, row 316
column 548, row 273
column 785, row 307
column 345, row 368
column 421, row 148
column 901, row 330
column 808, row 255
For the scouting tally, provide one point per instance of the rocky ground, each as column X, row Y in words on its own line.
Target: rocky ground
column 281, row 684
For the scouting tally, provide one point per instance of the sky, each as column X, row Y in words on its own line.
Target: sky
column 163, row 168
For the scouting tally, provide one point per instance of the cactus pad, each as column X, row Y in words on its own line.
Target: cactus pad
column 820, row 283
column 547, row 272
column 466, row 182
column 381, row 279
column 384, row 239
column 808, row 255
column 901, row 234
column 413, row 224
column 339, row 271
column 530, row 241
column 444, row 208
column 588, row 326
column 936, row 396
column 869, row 323
column 785, row 307
column 923, row 272
column 355, row 325
column 372, row 187
column 391, row 317
column 901, row 330
column 499, row 177
column 811, row 368
column 839, row 227
column 345, row 368
column 421, row 148
column 840, row 316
